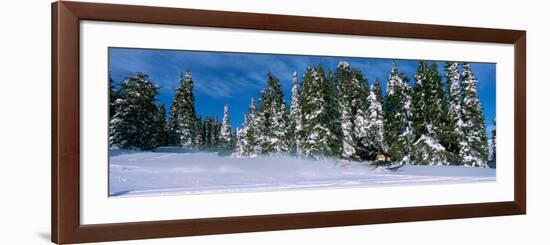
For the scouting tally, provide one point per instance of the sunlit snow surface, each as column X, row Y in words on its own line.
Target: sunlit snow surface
column 160, row 173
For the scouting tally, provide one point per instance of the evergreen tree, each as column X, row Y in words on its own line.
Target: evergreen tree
column 160, row 128
column 398, row 125
column 377, row 89
column 199, row 129
column 215, row 135
column 349, row 100
column 225, row 137
column 360, row 120
column 428, row 100
column 454, row 132
column 240, row 141
column 392, row 110
column 182, row 112
column 330, row 90
column 375, row 121
column 273, row 118
column 318, row 114
column 172, row 130
column 207, row 133
column 133, row 125
column 296, row 129
column 113, row 96
column 252, row 132
column 429, row 116
column 473, row 151
column 246, row 138
column 493, row 146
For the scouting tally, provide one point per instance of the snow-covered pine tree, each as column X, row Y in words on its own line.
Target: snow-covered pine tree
column 319, row 114
column 360, row 120
column 283, row 128
column 473, row 150
column 445, row 123
column 225, row 137
column 348, row 139
column 398, row 125
column 492, row 163
column 392, row 112
column 171, row 132
column 349, row 100
column 421, row 101
column 207, row 125
column 159, row 129
column 136, row 116
column 330, row 90
column 296, row 128
column 244, row 138
column 406, row 137
column 429, row 116
column 113, row 96
column 453, row 133
column 273, row 118
column 199, row 129
column 215, row 134
column 377, row 89
column 182, row 112
column 252, row 134
column 375, row 122
column 239, row 141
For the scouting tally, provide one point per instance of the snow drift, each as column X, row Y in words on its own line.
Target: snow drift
column 169, row 173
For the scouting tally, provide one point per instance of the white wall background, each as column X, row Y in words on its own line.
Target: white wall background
column 25, row 121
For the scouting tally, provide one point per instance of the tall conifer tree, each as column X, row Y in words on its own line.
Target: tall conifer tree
column 454, row 132
column 320, row 111
column 252, row 134
column 428, row 116
column 134, row 123
column 398, row 125
column 473, row 150
column 375, row 122
column 349, row 100
column 273, row 118
column 225, row 136
column 296, row 127
column 182, row 112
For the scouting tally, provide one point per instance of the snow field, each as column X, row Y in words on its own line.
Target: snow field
column 166, row 173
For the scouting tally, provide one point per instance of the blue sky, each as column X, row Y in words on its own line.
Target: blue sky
column 232, row 78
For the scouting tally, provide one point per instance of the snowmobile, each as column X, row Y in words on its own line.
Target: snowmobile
column 373, row 156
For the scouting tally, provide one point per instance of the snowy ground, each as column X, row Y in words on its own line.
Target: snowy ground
column 166, row 173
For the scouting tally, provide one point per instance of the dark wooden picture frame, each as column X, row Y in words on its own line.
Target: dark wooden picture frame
column 65, row 174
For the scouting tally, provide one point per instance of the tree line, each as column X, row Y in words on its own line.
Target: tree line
column 438, row 120
column 137, row 122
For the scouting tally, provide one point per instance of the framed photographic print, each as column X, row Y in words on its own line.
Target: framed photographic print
column 177, row 122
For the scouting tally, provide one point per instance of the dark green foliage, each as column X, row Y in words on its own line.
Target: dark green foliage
column 272, row 116
column 349, row 102
column 226, row 141
column 200, row 138
column 182, row 113
column 493, row 146
column 135, row 123
column 475, row 150
column 160, row 128
column 114, row 94
column 451, row 130
column 429, row 116
column 320, row 113
column 398, row 126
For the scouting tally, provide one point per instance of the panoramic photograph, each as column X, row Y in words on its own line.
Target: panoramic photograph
column 202, row 122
